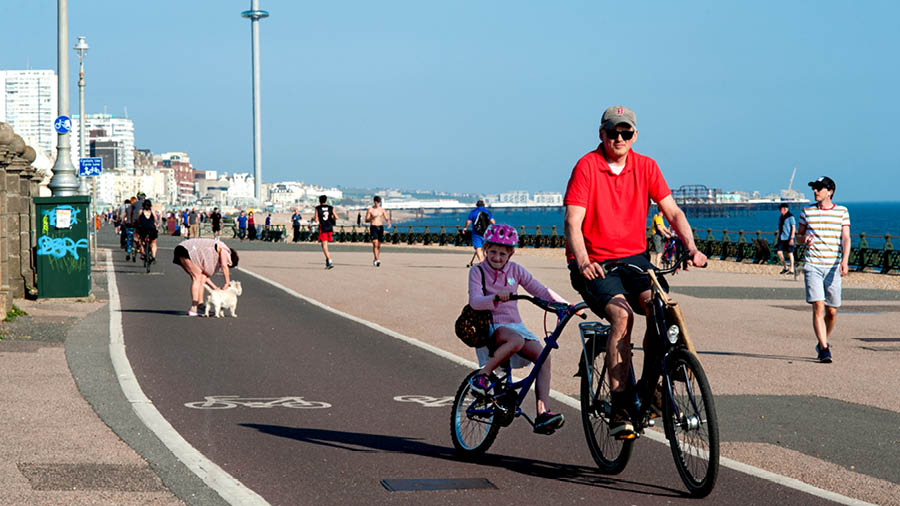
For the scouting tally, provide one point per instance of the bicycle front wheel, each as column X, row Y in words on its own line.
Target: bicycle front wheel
column 472, row 433
column 610, row 454
column 691, row 424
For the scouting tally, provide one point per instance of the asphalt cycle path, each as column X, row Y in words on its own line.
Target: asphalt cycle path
column 304, row 406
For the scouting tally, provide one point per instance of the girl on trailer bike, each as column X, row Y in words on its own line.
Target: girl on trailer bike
column 146, row 228
column 490, row 285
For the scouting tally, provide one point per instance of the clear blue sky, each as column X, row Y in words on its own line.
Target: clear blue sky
column 489, row 96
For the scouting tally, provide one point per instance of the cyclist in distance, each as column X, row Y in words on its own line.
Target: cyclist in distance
column 607, row 199
column 490, row 285
column 146, row 228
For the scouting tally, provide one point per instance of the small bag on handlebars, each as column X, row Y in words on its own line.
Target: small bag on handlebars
column 473, row 326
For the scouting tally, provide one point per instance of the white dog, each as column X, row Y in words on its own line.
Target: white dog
column 222, row 299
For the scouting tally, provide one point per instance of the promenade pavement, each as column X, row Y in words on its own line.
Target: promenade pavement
column 834, row 426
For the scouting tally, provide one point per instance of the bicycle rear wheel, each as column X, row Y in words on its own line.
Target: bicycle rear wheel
column 691, row 424
column 610, row 454
column 472, row 435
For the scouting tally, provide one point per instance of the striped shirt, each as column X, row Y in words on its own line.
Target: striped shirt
column 825, row 225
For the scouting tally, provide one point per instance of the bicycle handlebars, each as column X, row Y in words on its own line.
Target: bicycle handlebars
column 549, row 305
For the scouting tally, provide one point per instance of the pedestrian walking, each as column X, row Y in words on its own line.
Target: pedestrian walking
column 215, row 219
column 787, row 229
column 375, row 217
column 825, row 230
column 242, row 225
column 295, row 223
column 251, row 226
column 325, row 219
column 659, row 233
column 194, row 223
column 480, row 218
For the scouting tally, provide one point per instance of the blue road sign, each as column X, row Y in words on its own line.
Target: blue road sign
column 62, row 124
column 90, row 166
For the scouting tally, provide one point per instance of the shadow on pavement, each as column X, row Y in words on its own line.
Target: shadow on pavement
column 757, row 355
column 361, row 442
column 157, row 311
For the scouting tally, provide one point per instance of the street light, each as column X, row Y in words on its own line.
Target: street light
column 63, row 183
column 81, row 48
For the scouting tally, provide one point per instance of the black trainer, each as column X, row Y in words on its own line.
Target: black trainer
column 824, row 355
column 548, row 422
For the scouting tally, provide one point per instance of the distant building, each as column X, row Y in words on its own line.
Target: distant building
column 28, row 102
column 114, row 135
column 514, row 197
column 548, row 198
column 182, row 171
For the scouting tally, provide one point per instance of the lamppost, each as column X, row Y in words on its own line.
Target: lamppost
column 81, row 48
column 255, row 15
column 63, row 183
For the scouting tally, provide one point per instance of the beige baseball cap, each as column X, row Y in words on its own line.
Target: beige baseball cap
column 618, row 114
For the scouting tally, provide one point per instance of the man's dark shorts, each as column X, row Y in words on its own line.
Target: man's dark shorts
column 658, row 243
column 785, row 246
column 619, row 281
column 377, row 232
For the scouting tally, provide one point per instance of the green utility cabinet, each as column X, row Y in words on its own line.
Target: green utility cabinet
column 63, row 248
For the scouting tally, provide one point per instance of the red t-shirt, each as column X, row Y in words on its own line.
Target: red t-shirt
column 616, row 207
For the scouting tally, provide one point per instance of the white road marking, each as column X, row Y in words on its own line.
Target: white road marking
column 230, row 489
column 574, row 403
column 233, row 401
column 427, row 400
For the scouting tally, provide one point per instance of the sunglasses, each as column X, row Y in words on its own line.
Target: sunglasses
column 614, row 134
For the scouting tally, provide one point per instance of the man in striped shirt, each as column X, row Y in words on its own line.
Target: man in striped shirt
column 825, row 230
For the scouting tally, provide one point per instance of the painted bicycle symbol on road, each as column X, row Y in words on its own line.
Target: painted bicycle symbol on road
column 426, row 400
column 233, row 401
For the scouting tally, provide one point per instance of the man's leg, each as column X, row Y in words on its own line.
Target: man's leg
column 479, row 255
column 375, row 248
column 781, row 259
column 791, row 256
column 830, row 317
column 618, row 346
column 325, row 250
column 819, row 325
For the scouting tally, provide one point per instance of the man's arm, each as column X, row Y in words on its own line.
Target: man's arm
column 793, row 233
column 369, row 216
column 682, row 227
column 575, row 240
column 468, row 222
column 845, row 247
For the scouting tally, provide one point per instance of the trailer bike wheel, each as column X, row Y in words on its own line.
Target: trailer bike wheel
column 472, row 435
column 692, row 427
column 610, row 454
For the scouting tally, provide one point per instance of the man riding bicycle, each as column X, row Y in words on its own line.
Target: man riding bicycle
column 607, row 200
column 145, row 226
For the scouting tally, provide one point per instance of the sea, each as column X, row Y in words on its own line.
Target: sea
column 875, row 219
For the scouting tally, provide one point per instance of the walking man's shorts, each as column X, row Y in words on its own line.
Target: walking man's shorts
column 823, row 283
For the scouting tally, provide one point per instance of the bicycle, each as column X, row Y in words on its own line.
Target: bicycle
column 688, row 409
column 475, row 421
column 147, row 253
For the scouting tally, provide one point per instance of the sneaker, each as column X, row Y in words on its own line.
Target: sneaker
column 480, row 384
column 620, row 426
column 824, row 356
column 784, row 271
column 127, row 257
column 547, row 422
column 377, row 263
column 329, row 265
column 193, row 313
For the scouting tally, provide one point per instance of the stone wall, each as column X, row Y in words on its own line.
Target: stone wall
column 18, row 184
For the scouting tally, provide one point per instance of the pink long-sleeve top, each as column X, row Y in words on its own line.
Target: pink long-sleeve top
column 509, row 278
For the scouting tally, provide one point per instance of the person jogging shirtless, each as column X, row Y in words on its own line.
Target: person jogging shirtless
column 375, row 217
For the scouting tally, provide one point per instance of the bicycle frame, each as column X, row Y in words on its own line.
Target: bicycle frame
column 563, row 315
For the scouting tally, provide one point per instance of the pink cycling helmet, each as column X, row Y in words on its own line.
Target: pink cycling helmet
column 502, row 234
